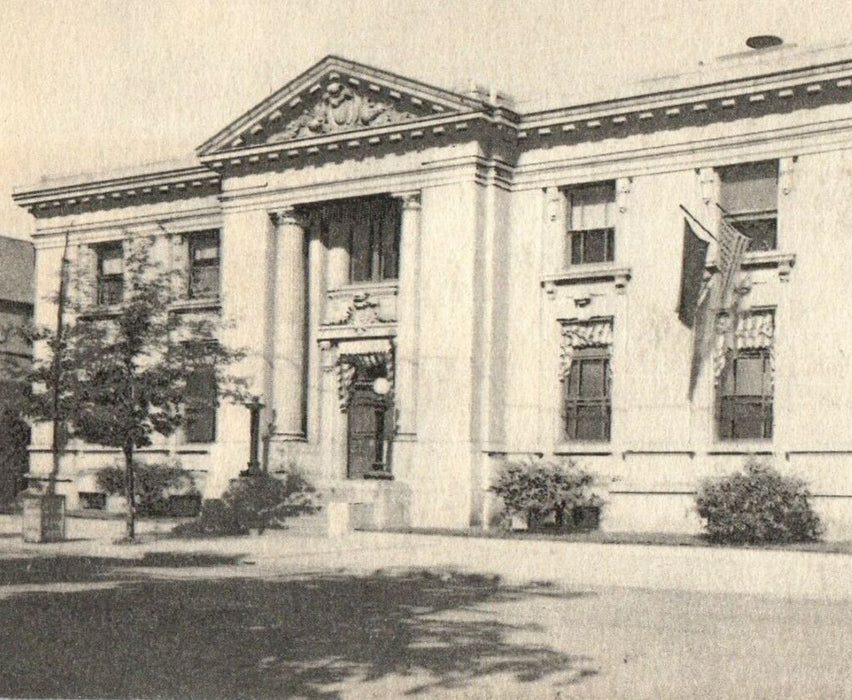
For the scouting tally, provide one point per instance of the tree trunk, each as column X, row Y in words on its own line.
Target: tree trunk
column 58, row 439
column 129, row 493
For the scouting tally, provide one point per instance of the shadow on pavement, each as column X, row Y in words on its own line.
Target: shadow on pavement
column 82, row 569
column 255, row 638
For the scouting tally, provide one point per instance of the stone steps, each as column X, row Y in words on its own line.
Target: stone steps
column 356, row 505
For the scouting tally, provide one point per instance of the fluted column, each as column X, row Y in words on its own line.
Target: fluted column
column 289, row 324
column 408, row 321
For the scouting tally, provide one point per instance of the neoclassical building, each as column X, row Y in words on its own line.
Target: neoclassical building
column 430, row 282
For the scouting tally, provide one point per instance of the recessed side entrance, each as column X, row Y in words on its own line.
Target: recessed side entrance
column 370, row 425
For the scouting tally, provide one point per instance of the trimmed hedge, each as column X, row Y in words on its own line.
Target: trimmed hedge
column 757, row 506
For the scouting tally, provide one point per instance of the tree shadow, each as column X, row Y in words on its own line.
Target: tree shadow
column 244, row 637
column 85, row 569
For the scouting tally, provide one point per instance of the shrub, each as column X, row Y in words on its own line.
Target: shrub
column 214, row 519
column 152, row 485
column 757, row 505
column 539, row 489
column 260, row 501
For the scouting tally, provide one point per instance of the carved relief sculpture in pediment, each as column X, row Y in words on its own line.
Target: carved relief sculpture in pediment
column 339, row 109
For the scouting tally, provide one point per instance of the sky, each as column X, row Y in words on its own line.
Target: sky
column 91, row 86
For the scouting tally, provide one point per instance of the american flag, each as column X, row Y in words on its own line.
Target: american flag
column 732, row 247
column 718, row 297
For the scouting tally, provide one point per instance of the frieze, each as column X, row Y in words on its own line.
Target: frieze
column 358, row 309
column 340, row 109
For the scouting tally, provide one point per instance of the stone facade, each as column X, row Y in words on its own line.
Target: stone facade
column 429, row 268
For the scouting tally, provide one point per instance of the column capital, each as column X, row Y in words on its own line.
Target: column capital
column 410, row 199
column 288, row 215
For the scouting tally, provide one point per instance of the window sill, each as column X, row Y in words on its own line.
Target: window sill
column 766, row 259
column 596, row 272
column 378, row 476
column 96, row 313
column 202, row 304
column 194, row 448
column 584, row 447
column 742, row 447
column 366, row 285
column 182, row 306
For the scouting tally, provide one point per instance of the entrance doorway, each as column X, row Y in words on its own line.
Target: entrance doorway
column 371, row 426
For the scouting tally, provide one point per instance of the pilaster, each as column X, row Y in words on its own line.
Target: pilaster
column 408, row 325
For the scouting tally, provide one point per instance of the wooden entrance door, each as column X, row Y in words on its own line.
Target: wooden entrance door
column 370, row 433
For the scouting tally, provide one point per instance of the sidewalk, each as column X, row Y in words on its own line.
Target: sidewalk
column 773, row 573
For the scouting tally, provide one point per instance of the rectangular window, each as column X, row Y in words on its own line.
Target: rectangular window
column 588, row 408
column 745, row 402
column 204, row 265
column 374, row 227
column 110, row 274
column 591, row 223
column 200, row 411
column 745, row 386
column 748, row 196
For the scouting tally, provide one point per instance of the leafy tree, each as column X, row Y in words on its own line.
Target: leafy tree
column 117, row 375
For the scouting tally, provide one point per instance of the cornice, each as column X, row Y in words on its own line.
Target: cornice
column 409, row 135
column 729, row 100
column 73, row 196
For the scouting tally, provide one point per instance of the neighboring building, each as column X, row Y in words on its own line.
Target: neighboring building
column 508, row 283
column 17, row 264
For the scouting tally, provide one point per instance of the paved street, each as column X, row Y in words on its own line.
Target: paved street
column 385, row 615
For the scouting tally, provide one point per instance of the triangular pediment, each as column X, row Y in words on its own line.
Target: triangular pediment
column 334, row 97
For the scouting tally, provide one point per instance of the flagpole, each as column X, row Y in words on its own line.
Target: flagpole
column 723, row 210
column 695, row 219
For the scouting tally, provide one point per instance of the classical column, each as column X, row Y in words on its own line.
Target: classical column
column 408, row 317
column 288, row 357
column 337, row 273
